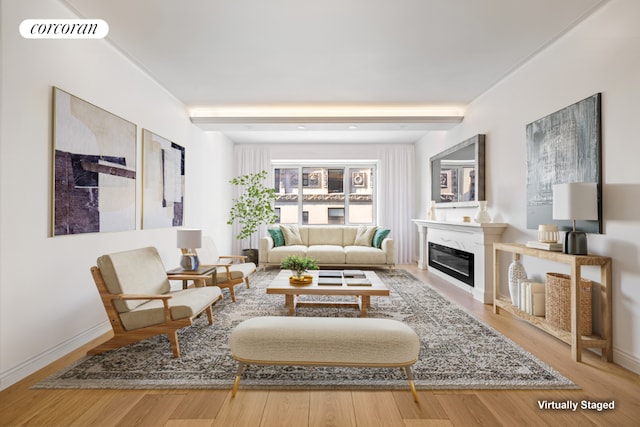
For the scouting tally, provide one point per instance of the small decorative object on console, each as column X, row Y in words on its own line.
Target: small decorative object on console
column 516, row 274
column 548, row 236
column 548, row 233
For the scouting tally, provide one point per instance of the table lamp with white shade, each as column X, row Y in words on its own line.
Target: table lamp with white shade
column 188, row 241
column 575, row 201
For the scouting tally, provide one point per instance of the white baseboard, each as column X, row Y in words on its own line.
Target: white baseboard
column 39, row 361
column 626, row 360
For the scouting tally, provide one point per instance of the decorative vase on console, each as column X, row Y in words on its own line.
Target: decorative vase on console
column 482, row 215
column 431, row 212
column 517, row 273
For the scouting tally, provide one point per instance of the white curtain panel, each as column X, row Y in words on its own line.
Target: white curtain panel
column 396, row 198
column 395, row 181
column 250, row 159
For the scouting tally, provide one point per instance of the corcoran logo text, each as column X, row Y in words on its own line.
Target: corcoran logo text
column 64, row 29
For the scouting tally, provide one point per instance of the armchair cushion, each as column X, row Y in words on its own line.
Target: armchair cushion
column 236, row 271
column 139, row 271
column 183, row 304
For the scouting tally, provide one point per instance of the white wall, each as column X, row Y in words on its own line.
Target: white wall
column 48, row 302
column 602, row 54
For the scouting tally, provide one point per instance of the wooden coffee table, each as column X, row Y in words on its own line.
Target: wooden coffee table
column 362, row 294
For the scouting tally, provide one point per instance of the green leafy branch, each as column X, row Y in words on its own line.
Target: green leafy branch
column 254, row 206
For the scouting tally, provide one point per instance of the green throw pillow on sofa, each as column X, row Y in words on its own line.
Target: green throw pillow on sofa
column 379, row 236
column 277, row 236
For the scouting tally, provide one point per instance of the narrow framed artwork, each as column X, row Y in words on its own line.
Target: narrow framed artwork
column 163, row 182
column 564, row 147
column 94, row 168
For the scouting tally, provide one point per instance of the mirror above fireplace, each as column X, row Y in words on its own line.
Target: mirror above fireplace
column 457, row 174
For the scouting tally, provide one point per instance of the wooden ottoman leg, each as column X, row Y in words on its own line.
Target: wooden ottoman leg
column 237, row 380
column 412, row 386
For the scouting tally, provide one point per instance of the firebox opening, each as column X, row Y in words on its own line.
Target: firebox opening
column 454, row 262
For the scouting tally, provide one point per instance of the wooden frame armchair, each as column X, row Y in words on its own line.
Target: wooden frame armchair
column 137, row 297
column 229, row 274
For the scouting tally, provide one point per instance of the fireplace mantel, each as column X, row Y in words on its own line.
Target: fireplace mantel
column 468, row 236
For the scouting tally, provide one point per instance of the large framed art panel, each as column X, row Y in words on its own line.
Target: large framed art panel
column 163, row 182
column 564, row 147
column 94, row 168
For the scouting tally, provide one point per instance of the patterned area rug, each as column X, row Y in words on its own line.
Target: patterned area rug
column 457, row 350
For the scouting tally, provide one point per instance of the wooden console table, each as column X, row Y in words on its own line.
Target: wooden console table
column 573, row 337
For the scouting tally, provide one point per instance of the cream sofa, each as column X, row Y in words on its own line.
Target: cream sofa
column 331, row 246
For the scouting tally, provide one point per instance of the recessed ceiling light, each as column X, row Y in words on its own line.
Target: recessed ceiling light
column 302, row 127
column 353, row 127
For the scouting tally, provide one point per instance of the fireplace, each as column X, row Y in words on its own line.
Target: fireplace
column 470, row 237
column 454, row 262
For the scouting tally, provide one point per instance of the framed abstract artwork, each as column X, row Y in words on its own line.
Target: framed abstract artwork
column 162, row 182
column 564, row 147
column 94, row 168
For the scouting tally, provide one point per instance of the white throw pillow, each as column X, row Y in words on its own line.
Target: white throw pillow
column 364, row 235
column 291, row 235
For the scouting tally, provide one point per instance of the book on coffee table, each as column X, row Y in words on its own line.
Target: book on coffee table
column 329, row 273
column 354, row 273
column 358, row 282
column 330, row 281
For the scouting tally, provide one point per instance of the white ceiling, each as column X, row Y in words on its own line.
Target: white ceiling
column 402, row 58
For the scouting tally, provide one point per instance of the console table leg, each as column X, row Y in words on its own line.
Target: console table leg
column 606, row 306
column 576, row 314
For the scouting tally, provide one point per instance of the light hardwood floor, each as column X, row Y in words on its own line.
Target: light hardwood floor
column 599, row 382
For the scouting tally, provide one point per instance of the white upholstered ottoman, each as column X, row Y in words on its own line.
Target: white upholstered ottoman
column 333, row 341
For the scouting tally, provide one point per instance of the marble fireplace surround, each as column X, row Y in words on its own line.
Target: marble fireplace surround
column 467, row 236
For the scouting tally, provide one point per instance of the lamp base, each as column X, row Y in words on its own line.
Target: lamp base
column 575, row 243
column 189, row 262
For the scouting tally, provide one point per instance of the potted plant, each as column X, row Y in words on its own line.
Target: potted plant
column 252, row 208
column 299, row 265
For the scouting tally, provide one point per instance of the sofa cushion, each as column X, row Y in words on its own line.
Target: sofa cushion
column 379, row 236
column 291, row 235
column 325, row 235
column 364, row 235
column 327, row 254
column 349, row 235
column 137, row 271
column 364, row 255
column 276, row 255
column 277, row 236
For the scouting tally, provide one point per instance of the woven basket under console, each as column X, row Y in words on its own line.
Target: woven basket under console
column 558, row 302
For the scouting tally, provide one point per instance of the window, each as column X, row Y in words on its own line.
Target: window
column 325, row 194
column 335, row 216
